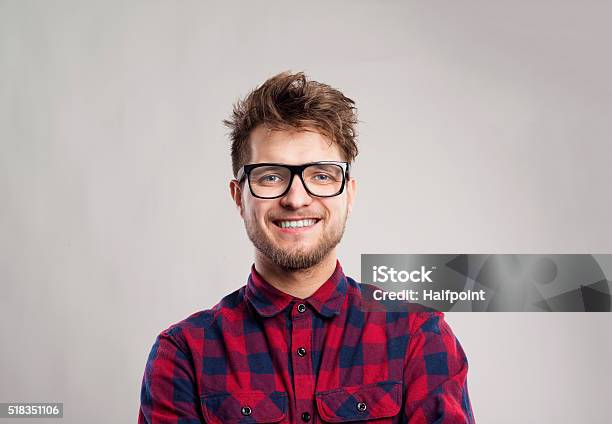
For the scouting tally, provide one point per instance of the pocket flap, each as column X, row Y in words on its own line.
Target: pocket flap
column 255, row 406
column 357, row 403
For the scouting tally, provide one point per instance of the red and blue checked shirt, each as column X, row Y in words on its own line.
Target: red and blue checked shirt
column 263, row 356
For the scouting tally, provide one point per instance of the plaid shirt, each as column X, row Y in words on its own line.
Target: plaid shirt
column 263, row 356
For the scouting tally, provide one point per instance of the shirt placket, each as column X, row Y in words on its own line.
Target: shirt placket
column 303, row 373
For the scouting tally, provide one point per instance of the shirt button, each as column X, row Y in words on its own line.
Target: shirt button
column 301, row 351
column 301, row 307
column 361, row 406
column 305, row 417
column 246, row 410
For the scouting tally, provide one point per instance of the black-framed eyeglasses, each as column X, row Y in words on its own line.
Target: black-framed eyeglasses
column 273, row 180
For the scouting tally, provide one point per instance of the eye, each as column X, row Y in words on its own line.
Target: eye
column 322, row 178
column 269, row 179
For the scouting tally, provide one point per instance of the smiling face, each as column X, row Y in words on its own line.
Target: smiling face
column 296, row 231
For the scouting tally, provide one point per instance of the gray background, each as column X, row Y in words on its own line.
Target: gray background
column 485, row 129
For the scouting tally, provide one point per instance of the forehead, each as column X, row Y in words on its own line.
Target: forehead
column 291, row 147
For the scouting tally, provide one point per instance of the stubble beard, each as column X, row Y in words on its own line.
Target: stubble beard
column 299, row 259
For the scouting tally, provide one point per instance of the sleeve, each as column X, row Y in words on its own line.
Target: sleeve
column 169, row 393
column 435, row 376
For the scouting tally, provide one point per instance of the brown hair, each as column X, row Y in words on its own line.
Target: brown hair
column 292, row 102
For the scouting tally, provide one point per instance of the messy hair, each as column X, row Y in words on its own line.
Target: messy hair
column 293, row 102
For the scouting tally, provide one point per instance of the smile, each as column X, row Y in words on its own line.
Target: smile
column 296, row 223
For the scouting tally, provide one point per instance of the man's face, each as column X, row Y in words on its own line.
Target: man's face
column 301, row 247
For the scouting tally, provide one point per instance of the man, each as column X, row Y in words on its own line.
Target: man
column 298, row 343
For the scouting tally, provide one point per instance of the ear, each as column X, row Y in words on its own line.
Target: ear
column 351, row 188
column 236, row 194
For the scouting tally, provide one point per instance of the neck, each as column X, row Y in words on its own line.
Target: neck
column 300, row 283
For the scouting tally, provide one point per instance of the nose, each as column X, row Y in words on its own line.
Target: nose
column 297, row 196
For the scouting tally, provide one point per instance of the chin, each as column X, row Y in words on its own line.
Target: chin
column 296, row 248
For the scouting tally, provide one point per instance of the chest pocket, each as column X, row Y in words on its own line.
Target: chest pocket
column 371, row 402
column 254, row 406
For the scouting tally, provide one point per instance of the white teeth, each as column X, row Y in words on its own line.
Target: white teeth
column 297, row 224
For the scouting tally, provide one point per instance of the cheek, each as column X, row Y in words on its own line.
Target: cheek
column 336, row 210
column 255, row 210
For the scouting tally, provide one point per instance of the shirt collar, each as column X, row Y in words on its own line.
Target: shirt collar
column 269, row 301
